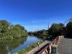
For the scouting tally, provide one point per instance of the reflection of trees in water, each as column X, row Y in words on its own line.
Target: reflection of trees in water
column 8, row 45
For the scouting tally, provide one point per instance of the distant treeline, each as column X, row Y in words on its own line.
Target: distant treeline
column 55, row 30
column 10, row 31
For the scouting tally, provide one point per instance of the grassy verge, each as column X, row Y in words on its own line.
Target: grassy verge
column 33, row 45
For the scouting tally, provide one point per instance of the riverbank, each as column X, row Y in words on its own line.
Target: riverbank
column 29, row 48
column 38, row 47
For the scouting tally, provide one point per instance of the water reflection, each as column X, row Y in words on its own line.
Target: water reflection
column 7, row 45
column 12, row 46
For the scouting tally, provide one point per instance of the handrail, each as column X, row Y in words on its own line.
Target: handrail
column 42, row 49
column 47, row 48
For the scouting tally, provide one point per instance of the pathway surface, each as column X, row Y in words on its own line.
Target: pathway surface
column 65, row 46
column 37, row 48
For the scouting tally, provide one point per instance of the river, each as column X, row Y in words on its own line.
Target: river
column 12, row 46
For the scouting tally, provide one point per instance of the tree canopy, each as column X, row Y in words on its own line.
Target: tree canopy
column 69, row 30
column 55, row 29
column 9, row 31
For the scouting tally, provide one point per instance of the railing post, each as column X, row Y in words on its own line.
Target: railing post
column 54, row 49
column 48, row 49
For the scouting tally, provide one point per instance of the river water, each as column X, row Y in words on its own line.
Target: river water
column 12, row 46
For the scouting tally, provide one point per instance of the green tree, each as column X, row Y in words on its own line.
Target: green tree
column 20, row 27
column 69, row 30
column 9, row 31
column 55, row 29
column 4, row 25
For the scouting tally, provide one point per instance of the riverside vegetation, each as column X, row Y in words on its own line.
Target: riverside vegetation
column 55, row 30
column 10, row 31
column 11, row 36
column 6, row 46
column 30, row 47
column 51, row 33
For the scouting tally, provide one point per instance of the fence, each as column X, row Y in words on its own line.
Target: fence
column 50, row 48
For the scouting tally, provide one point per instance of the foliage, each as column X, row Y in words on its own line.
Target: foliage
column 8, row 31
column 3, row 26
column 30, row 47
column 69, row 30
column 41, row 34
column 22, row 52
column 59, row 29
column 56, row 29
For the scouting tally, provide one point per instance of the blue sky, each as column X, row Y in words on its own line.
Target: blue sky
column 35, row 14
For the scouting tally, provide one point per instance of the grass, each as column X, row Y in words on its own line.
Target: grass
column 33, row 45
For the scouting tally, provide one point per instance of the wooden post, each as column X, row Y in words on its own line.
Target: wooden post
column 48, row 49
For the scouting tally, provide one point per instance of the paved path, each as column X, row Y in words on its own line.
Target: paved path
column 37, row 48
column 65, row 46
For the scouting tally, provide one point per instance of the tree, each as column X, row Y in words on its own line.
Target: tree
column 61, row 25
column 3, row 26
column 70, row 20
column 55, row 29
column 20, row 27
column 9, row 31
column 69, row 30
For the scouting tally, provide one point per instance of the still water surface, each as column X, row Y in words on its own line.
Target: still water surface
column 12, row 46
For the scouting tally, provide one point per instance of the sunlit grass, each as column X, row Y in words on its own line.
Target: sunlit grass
column 30, row 47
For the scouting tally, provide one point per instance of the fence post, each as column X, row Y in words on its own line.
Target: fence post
column 54, row 49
